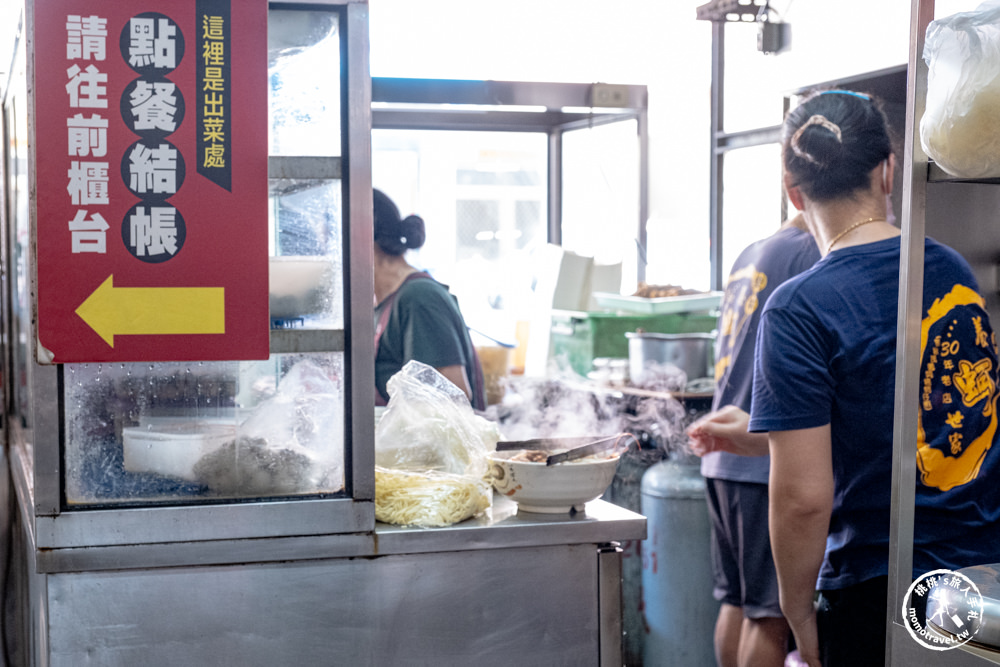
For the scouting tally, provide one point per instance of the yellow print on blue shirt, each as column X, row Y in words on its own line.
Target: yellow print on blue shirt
column 958, row 390
column 738, row 304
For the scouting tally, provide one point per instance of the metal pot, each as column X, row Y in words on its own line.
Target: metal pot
column 691, row 352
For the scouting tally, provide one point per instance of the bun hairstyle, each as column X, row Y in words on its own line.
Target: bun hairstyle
column 395, row 235
column 832, row 141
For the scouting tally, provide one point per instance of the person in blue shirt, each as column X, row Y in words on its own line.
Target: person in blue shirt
column 823, row 392
column 750, row 629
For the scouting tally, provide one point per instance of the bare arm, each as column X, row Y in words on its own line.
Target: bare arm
column 801, row 500
column 725, row 430
column 456, row 374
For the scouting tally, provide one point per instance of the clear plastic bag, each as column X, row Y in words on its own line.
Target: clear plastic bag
column 429, row 424
column 291, row 443
column 960, row 129
column 430, row 452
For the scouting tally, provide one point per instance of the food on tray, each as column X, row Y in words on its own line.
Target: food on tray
column 656, row 291
column 408, row 498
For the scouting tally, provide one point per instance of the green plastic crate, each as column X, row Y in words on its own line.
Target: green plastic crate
column 581, row 337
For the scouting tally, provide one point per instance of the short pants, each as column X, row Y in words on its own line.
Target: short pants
column 741, row 547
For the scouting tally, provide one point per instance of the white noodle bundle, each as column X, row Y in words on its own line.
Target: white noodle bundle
column 429, row 498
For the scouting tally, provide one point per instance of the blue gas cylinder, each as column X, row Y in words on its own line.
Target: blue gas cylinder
column 679, row 609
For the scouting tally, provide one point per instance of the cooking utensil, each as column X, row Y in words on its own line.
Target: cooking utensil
column 586, row 450
column 576, row 447
column 545, row 444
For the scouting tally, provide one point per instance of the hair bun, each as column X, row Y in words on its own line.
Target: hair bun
column 414, row 232
column 818, row 140
column 831, row 142
column 392, row 234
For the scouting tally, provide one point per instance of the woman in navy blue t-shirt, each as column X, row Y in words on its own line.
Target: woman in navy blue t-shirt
column 824, row 387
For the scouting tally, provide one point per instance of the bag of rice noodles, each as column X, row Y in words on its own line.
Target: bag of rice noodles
column 430, row 452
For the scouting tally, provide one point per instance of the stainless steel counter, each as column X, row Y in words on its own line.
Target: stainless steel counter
column 507, row 587
column 504, row 526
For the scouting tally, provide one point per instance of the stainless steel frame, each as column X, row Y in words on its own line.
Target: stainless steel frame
column 520, row 106
column 721, row 143
column 911, row 272
column 901, row 649
column 359, row 281
column 715, row 168
column 35, row 453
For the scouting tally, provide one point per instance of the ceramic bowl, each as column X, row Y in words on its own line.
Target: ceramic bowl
column 556, row 489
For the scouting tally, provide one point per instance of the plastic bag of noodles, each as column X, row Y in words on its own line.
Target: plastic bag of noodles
column 430, row 452
column 960, row 129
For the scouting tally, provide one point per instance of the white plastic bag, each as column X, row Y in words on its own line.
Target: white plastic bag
column 430, row 452
column 960, row 129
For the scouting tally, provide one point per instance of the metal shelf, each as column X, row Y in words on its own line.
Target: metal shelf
column 304, row 167
column 936, row 174
column 296, row 341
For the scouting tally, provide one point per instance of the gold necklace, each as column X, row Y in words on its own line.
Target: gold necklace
column 849, row 229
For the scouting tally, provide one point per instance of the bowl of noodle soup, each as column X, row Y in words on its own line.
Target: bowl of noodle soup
column 551, row 489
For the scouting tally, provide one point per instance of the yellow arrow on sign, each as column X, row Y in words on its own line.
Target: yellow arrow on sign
column 112, row 311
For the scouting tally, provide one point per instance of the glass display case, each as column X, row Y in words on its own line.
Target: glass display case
column 176, row 437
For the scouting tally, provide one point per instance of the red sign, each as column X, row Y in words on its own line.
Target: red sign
column 150, row 180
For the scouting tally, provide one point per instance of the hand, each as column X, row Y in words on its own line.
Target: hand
column 807, row 639
column 725, row 430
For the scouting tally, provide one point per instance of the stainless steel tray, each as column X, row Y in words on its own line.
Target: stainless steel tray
column 663, row 305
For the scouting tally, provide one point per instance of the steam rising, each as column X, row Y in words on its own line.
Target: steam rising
column 565, row 406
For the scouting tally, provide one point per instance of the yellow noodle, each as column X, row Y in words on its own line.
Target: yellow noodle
column 408, row 498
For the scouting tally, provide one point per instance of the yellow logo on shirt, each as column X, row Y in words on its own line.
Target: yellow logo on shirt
column 738, row 305
column 959, row 381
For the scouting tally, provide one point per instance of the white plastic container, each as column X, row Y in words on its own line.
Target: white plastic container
column 300, row 286
column 172, row 448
